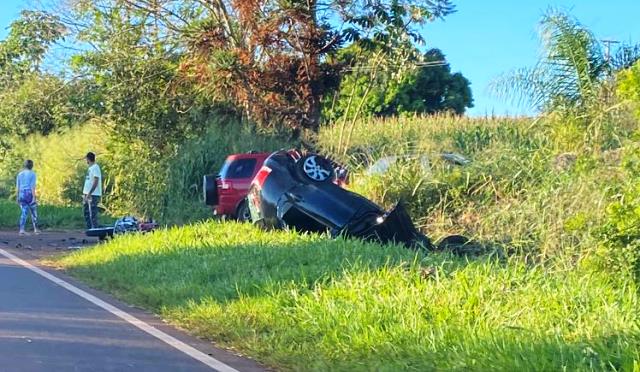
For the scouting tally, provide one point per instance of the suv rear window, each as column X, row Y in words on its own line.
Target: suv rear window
column 239, row 168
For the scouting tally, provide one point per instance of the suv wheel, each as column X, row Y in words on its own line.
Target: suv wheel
column 243, row 213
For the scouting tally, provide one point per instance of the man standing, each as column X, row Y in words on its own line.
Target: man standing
column 26, row 196
column 92, row 191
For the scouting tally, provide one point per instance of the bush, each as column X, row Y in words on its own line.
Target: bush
column 58, row 161
column 169, row 187
column 620, row 233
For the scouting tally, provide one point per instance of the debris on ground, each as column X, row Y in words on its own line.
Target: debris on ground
column 124, row 225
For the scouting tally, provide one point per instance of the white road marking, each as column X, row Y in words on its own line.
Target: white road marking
column 169, row 340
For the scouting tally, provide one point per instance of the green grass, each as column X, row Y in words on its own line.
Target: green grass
column 308, row 303
column 50, row 216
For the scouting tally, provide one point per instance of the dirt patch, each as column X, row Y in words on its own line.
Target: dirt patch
column 45, row 244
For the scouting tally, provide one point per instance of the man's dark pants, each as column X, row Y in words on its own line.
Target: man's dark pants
column 91, row 212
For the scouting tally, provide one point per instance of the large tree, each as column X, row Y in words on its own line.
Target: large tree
column 24, row 49
column 269, row 57
column 31, row 100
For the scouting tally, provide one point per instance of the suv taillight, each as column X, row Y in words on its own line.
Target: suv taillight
column 223, row 185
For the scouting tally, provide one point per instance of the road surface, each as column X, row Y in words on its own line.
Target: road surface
column 45, row 326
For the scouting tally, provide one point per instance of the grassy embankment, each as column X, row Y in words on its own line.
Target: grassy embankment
column 305, row 302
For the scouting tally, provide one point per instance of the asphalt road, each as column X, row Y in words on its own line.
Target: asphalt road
column 45, row 327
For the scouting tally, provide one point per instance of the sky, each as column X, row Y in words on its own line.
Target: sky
column 486, row 38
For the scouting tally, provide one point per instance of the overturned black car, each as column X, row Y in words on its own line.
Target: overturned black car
column 303, row 192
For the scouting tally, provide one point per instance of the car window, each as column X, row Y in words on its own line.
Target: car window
column 239, row 168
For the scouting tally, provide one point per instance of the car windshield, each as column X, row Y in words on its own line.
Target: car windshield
column 238, row 168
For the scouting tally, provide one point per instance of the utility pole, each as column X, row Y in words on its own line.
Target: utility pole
column 607, row 43
column 608, row 93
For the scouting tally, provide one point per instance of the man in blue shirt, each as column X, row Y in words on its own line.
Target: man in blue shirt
column 26, row 196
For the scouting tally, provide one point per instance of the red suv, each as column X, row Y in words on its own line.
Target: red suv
column 226, row 192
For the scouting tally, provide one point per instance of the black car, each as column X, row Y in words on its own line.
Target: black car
column 300, row 192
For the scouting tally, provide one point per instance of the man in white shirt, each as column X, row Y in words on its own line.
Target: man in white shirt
column 26, row 196
column 92, row 191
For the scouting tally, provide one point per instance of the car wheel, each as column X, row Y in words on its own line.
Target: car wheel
column 243, row 213
column 316, row 168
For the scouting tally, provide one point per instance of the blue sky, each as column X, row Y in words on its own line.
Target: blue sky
column 487, row 38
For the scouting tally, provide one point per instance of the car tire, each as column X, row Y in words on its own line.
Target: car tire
column 316, row 168
column 243, row 214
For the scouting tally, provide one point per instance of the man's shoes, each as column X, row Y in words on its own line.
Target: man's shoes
column 22, row 233
column 36, row 232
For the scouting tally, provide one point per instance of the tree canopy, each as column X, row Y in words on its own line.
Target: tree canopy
column 425, row 85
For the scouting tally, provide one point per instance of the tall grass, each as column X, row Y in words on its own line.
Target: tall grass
column 307, row 303
column 515, row 193
column 59, row 162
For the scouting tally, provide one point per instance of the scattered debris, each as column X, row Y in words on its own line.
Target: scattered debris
column 126, row 224
column 428, row 273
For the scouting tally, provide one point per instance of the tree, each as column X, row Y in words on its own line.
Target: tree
column 31, row 101
column 270, row 57
column 134, row 65
column 22, row 52
column 425, row 86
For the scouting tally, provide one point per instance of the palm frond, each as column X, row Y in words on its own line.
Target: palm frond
column 568, row 72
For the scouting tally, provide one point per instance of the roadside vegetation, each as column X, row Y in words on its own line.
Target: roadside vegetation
column 310, row 303
column 550, row 201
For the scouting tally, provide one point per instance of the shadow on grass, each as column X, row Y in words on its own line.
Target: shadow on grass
column 226, row 272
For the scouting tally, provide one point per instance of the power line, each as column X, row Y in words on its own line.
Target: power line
column 415, row 64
